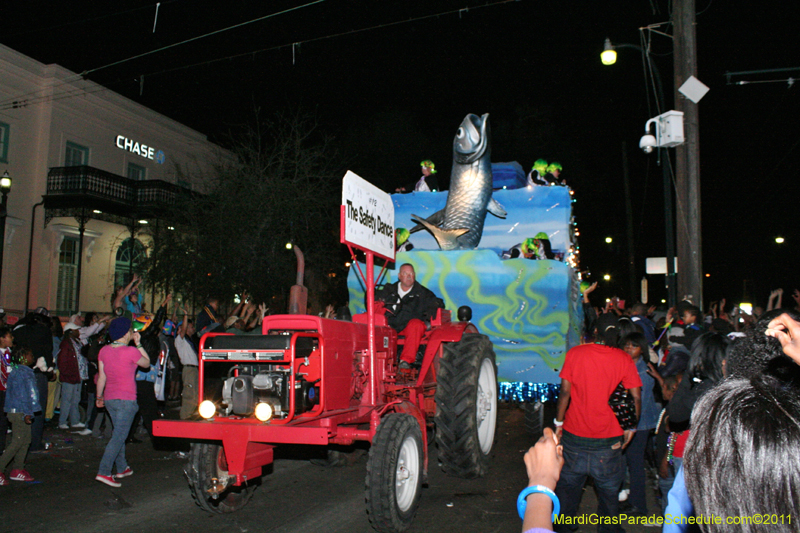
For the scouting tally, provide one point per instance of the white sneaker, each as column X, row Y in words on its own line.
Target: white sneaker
column 63, row 426
column 83, row 432
column 79, row 425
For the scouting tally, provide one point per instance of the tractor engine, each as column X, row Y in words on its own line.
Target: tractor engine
column 255, row 371
column 265, row 383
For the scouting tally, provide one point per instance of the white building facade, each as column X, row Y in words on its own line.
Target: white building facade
column 91, row 174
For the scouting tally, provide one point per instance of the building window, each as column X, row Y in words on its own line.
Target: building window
column 136, row 172
column 67, row 276
column 76, row 155
column 4, row 131
column 130, row 254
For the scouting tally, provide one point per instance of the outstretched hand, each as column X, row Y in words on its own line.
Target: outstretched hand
column 787, row 331
column 654, row 373
column 543, row 461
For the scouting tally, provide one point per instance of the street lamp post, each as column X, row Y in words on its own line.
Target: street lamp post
column 5, row 188
column 609, row 57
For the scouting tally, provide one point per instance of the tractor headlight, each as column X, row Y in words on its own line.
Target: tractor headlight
column 264, row 411
column 207, row 409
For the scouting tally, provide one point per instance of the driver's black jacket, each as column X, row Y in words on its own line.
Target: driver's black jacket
column 419, row 303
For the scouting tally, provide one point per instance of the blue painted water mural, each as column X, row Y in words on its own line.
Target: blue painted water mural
column 529, row 309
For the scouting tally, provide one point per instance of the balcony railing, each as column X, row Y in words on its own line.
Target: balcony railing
column 89, row 181
column 88, row 188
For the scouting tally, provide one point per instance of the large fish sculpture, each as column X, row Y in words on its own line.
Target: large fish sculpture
column 459, row 226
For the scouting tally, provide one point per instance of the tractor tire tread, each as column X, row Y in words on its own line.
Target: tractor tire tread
column 460, row 453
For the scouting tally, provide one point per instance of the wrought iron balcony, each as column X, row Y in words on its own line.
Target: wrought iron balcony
column 82, row 191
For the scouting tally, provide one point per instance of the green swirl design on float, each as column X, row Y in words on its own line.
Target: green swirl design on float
column 524, row 306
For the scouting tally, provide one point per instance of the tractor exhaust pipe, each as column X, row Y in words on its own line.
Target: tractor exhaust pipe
column 298, row 294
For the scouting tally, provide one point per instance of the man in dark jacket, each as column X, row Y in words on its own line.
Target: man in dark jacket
column 408, row 306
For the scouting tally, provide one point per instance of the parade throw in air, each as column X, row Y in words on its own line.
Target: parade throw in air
column 459, row 225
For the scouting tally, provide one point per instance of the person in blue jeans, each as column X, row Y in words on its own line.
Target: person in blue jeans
column 635, row 345
column 589, row 432
column 116, row 391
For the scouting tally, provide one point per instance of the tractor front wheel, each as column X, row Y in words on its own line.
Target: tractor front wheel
column 206, row 470
column 466, row 406
column 394, row 473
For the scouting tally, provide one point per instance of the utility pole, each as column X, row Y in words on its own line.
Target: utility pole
column 687, row 175
column 633, row 294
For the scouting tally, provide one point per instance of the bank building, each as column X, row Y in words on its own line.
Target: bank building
column 85, row 175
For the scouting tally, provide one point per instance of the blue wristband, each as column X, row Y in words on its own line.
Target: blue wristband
column 522, row 502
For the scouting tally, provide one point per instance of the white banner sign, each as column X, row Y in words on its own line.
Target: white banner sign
column 658, row 265
column 368, row 216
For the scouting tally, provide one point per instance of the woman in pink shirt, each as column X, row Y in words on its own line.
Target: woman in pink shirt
column 116, row 391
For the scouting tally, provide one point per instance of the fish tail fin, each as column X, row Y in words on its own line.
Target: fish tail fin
column 496, row 209
column 436, row 219
column 446, row 238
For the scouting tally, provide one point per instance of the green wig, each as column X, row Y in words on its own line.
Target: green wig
column 402, row 235
column 428, row 163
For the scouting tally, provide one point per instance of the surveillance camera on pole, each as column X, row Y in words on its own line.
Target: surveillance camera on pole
column 668, row 132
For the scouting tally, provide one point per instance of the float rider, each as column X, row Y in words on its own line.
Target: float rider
column 426, row 183
column 409, row 308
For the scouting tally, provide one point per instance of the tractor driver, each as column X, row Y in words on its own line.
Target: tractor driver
column 409, row 306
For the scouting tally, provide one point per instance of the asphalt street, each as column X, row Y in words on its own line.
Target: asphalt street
column 294, row 496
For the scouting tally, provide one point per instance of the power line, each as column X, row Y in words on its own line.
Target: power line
column 216, row 32
column 21, row 101
column 332, row 36
column 18, row 101
column 82, row 21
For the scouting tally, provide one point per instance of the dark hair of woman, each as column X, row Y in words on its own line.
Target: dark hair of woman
column 625, row 327
column 705, row 360
column 756, row 352
column 741, row 457
column 637, row 339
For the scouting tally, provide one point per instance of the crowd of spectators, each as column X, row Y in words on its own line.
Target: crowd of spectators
column 718, row 422
column 70, row 373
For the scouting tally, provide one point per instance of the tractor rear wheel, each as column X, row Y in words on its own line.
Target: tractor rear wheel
column 534, row 418
column 394, row 473
column 466, row 406
column 207, row 466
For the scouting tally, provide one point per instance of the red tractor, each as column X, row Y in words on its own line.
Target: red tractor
column 311, row 380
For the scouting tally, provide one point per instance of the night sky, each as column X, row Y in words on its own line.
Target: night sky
column 391, row 81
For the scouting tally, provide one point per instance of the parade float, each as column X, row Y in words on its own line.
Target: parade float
column 529, row 308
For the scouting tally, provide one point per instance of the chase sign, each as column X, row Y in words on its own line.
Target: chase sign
column 148, row 152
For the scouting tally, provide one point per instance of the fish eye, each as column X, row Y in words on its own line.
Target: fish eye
column 460, row 133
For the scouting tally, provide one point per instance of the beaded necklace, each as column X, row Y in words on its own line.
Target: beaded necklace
column 671, row 440
column 661, row 419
